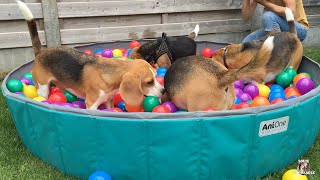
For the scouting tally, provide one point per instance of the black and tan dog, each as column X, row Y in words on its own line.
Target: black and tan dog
column 165, row 50
column 95, row 79
column 287, row 52
column 194, row 83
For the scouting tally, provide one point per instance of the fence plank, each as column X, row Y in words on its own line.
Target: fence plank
column 18, row 39
column 314, row 20
column 51, row 22
column 15, row 26
column 11, row 11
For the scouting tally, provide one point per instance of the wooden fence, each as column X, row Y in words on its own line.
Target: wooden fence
column 74, row 22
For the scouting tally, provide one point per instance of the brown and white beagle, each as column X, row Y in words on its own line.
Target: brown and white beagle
column 96, row 79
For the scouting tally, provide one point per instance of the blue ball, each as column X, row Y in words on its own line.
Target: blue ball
column 276, row 95
column 122, row 106
column 98, row 51
column 237, row 101
column 129, row 52
column 292, row 97
column 99, row 175
column 277, row 90
column 82, row 100
column 181, row 111
column 31, row 82
column 275, row 86
column 161, row 70
column 161, row 74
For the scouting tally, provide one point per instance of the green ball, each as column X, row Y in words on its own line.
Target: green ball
column 291, row 71
column 249, row 102
column 27, row 75
column 14, row 85
column 307, row 74
column 70, row 97
column 284, row 79
column 149, row 103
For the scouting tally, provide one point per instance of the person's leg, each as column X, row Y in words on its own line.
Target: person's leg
column 254, row 35
column 272, row 21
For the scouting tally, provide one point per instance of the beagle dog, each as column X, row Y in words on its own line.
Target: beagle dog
column 195, row 83
column 165, row 50
column 96, row 79
column 287, row 52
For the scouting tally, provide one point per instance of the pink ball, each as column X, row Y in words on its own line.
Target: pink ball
column 252, row 90
column 170, row 105
column 304, row 85
column 107, row 53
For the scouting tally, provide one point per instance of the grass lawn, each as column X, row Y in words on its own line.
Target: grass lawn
column 16, row 162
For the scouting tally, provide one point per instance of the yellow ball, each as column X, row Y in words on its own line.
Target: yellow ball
column 30, row 91
column 293, row 174
column 117, row 53
column 39, row 98
column 264, row 90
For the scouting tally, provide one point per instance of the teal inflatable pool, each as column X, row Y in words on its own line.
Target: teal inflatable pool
column 235, row 144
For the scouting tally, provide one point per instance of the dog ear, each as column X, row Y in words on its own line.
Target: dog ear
column 164, row 61
column 130, row 89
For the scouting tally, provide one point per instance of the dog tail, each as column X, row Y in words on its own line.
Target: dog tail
column 249, row 70
column 290, row 19
column 195, row 32
column 32, row 26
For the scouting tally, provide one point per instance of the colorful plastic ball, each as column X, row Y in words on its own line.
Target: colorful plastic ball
column 238, row 84
column 207, row 52
column 181, row 111
column 293, row 174
column 161, row 74
column 108, row 110
column 293, row 93
column 30, row 91
column 298, row 77
column 291, row 71
column 64, row 104
column 134, row 44
column 122, row 106
column 284, row 79
column 307, row 74
column 129, row 52
column 116, row 109
column 160, row 80
column 237, row 91
column 98, row 55
column 252, row 90
column 102, row 107
column 25, row 81
column 46, row 102
column 117, row 53
column 260, row 101
column 117, row 99
column 149, row 103
column 39, row 98
column 57, row 98
column 305, row 85
column 278, row 90
column 237, row 101
column 88, row 51
column 130, row 108
column 292, row 97
column 99, row 175
column 70, row 97
column 275, row 86
column 14, row 85
column 277, row 100
column 79, row 104
column 161, row 109
column 209, row 109
column 54, row 89
column 290, row 88
column 122, row 50
column 27, row 75
column 171, row 106
column 244, row 97
column 107, row 53
column 98, row 51
column 161, row 70
column 242, row 105
column 273, row 96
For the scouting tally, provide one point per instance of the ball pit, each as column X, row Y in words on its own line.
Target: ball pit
column 181, row 145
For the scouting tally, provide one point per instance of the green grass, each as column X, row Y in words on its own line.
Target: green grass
column 16, row 162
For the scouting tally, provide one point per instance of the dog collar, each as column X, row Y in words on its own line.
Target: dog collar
column 225, row 58
column 163, row 49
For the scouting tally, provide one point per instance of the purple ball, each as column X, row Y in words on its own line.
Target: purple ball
column 108, row 110
column 79, row 104
column 252, row 90
column 25, row 81
column 18, row 92
column 245, row 97
column 305, row 85
column 107, row 53
column 237, row 91
column 238, row 84
column 46, row 102
column 65, row 104
column 170, row 105
column 102, row 107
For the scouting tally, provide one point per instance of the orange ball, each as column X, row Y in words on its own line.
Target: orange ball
column 130, row 108
column 260, row 101
column 298, row 77
column 290, row 88
column 292, row 92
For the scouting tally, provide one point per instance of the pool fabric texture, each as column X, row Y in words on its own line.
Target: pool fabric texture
column 234, row 144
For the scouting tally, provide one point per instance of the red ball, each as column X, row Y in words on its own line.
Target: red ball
column 88, row 51
column 54, row 89
column 117, row 99
column 98, row 55
column 161, row 109
column 207, row 52
column 277, row 100
column 122, row 50
column 116, row 110
column 160, row 80
column 134, row 44
column 242, row 105
column 209, row 109
column 57, row 98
